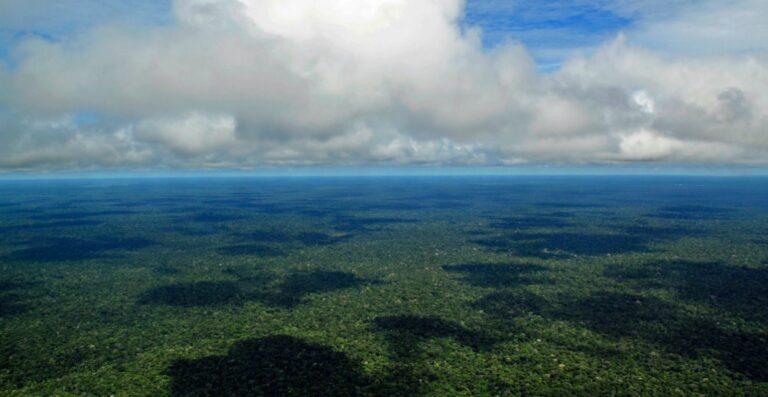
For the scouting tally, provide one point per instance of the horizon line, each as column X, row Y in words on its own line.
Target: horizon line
column 340, row 172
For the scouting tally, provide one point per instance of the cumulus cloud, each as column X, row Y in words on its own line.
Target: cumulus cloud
column 35, row 143
column 248, row 83
column 190, row 134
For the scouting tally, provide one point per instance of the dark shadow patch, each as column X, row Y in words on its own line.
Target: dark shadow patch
column 392, row 205
column 165, row 270
column 410, row 373
column 6, row 286
column 311, row 238
column 10, row 305
column 239, row 203
column 404, row 333
column 10, row 300
column 157, row 201
column 746, row 353
column 317, row 213
column 571, row 205
column 200, row 229
column 696, row 209
column 734, row 289
column 507, row 305
column 294, row 289
column 250, row 250
column 203, row 293
column 529, row 222
column 70, row 223
column 184, row 209
column 260, row 287
column 662, row 324
column 74, row 215
column 661, row 232
column 274, row 208
column 51, row 225
column 561, row 214
column 563, row 245
column 272, row 366
column 18, row 212
column 691, row 212
column 75, row 249
column 449, row 204
column 305, row 238
column 649, row 319
column 497, row 275
column 618, row 314
column 495, row 243
column 212, row 217
column 355, row 224
column 263, row 236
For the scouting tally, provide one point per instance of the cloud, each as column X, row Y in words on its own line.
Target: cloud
column 190, row 134
column 648, row 145
column 250, row 83
column 60, row 143
column 706, row 28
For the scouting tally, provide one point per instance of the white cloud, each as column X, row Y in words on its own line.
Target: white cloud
column 644, row 102
column 33, row 144
column 247, row 83
column 706, row 27
column 191, row 134
column 647, row 145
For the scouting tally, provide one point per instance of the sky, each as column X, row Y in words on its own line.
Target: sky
column 175, row 85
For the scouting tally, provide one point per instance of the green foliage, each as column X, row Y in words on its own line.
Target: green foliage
column 437, row 288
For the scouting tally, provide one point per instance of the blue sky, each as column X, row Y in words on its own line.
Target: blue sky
column 58, row 19
column 551, row 30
